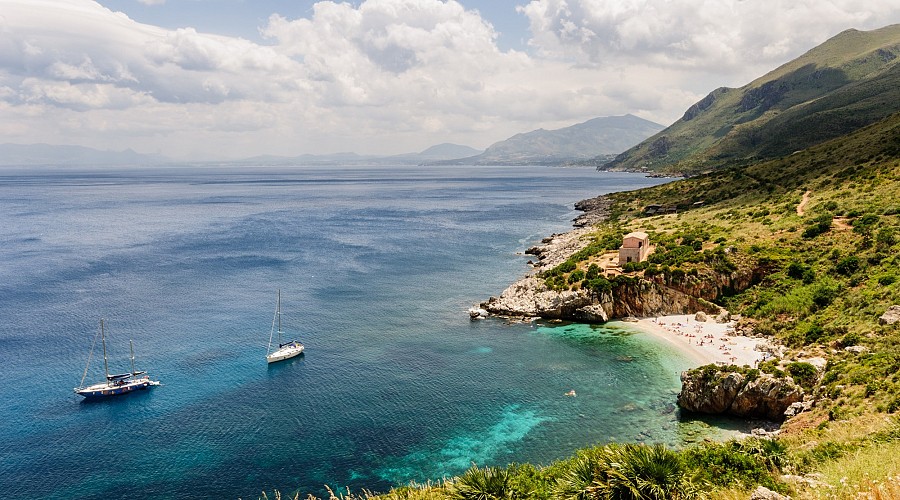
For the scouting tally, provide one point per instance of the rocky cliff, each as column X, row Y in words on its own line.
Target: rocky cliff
column 530, row 297
column 749, row 395
column 628, row 296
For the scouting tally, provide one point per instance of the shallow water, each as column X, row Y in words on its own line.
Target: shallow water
column 377, row 267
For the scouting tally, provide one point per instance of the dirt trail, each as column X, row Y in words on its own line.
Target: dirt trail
column 842, row 223
column 802, row 206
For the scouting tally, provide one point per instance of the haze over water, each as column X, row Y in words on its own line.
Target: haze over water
column 377, row 267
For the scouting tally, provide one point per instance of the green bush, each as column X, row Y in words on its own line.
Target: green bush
column 886, row 279
column 824, row 294
column 629, row 471
column 576, row 276
column 814, row 333
column 848, row 265
column 817, row 226
column 803, row 374
column 865, row 224
column 796, row 270
column 597, row 286
column 489, row 483
column 730, row 464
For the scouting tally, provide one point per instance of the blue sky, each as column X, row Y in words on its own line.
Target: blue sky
column 242, row 18
column 224, row 79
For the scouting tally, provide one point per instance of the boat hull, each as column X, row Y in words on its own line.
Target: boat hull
column 104, row 390
column 285, row 352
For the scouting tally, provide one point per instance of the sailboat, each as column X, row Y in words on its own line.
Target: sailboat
column 285, row 350
column 117, row 383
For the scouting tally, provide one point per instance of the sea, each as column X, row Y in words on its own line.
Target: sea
column 376, row 266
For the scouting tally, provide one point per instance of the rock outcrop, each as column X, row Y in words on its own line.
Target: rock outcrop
column 891, row 316
column 763, row 493
column 638, row 297
column 629, row 296
column 708, row 390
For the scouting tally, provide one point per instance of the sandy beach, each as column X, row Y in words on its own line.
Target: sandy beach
column 704, row 341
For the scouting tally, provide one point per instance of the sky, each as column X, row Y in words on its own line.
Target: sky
column 228, row 79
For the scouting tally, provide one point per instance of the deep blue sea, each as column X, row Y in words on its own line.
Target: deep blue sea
column 376, row 267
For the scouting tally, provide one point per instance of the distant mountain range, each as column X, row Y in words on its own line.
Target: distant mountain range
column 850, row 81
column 600, row 136
column 47, row 154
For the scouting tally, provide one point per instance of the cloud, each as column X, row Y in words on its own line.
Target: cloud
column 384, row 76
column 709, row 35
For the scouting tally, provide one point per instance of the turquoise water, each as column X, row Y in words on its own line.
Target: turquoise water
column 377, row 267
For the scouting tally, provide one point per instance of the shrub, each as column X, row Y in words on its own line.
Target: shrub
column 824, row 294
column 489, row 483
column 730, row 464
column 886, row 237
column 848, row 265
column 813, row 334
column 817, row 226
column 576, row 276
column 796, row 270
column 886, row 279
column 597, row 286
column 894, row 405
column 630, row 471
column 865, row 224
column 804, row 374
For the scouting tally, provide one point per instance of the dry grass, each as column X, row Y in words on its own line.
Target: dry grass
column 864, row 470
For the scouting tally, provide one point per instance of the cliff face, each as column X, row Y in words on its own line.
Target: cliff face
column 633, row 296
column 656, row 296
column 734, row 393
column 531, row 298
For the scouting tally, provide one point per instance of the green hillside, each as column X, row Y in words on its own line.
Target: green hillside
column 848, row 82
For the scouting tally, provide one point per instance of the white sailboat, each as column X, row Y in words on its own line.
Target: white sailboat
column 285, row 350
column 115, row 384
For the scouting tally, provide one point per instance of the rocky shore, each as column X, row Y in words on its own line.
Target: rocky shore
column 725, row 392
column 529, row 297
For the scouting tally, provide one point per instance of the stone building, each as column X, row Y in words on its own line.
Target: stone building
column 635, row 247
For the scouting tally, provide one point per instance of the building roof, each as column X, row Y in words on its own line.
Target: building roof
column 637, row 234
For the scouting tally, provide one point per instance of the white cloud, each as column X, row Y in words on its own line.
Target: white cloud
column 384, row 76
column 695, row 34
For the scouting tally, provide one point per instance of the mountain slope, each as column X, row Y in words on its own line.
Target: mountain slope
column 600, row 136
column 848, row 82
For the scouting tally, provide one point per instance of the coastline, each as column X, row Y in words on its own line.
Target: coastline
column 701, row 342
column 705, row 342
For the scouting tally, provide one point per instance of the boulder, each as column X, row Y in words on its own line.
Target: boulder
column 891, row 316
column 797, row 408
column 857, row 349
column 711, row 391
column 701, row 317
column 763, row 493
column 477, row 313
column 593, row 313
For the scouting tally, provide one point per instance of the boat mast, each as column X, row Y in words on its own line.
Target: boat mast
column 103, row 341
column 132, row 357
column 279, row 317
